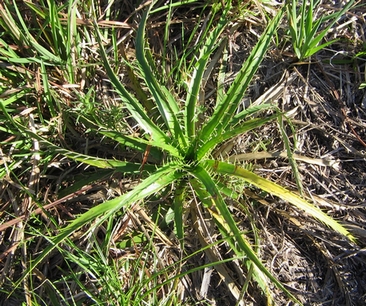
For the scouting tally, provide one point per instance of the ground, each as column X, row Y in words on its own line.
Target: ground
column 323, row 101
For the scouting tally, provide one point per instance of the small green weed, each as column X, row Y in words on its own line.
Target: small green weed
column 306, row 30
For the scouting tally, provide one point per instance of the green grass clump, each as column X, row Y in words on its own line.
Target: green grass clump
column 306, row 29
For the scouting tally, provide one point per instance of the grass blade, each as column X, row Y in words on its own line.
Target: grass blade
column 44, row 54
column 290, row 155
column 151, row 185
column 277, row 190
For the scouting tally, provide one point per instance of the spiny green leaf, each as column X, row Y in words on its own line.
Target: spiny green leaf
column 135, row 108
column 197, row 75
column 279, row 191
column 155, row 182
column 225, row 111
column 217, row 201
column 167, row 105
column 233, row 132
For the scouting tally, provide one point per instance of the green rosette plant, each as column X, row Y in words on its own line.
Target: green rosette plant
column 182, row 139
